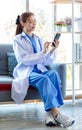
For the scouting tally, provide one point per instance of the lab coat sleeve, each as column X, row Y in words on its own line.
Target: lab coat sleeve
column 28, row 57
column 49, row 59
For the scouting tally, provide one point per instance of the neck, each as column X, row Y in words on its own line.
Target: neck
column 29, row 33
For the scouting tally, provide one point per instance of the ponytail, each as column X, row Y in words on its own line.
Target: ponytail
column 19, row 27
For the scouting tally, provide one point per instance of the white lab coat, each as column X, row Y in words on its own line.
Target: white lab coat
column 26, row 60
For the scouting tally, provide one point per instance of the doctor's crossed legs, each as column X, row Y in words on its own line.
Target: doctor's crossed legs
column 49, row 86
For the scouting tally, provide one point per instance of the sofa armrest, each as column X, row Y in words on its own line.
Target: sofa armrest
column 61, row 69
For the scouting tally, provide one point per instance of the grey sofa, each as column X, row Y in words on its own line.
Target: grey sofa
column 8, row 62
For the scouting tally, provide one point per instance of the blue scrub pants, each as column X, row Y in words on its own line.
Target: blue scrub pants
column 49, row 86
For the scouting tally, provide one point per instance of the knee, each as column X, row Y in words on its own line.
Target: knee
column 45, row 78
column 53, row 72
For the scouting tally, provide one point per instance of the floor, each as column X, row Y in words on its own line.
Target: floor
column 31, row 116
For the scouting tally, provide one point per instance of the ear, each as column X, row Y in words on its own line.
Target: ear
column 22, row 23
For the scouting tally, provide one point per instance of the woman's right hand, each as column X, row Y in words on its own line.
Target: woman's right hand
column 46, row 46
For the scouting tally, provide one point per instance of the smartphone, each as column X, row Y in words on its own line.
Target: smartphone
column 57, row 36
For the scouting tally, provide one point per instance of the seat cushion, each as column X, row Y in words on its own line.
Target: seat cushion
column 5, row 79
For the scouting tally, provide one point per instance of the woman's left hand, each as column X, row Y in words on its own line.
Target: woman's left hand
column 56, row 44
column 54, row 47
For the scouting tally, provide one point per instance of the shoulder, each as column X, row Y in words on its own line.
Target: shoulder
column 17, row 37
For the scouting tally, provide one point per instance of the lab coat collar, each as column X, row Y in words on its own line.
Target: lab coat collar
column 24, row 35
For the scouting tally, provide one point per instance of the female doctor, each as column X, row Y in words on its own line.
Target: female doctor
column 32, row 56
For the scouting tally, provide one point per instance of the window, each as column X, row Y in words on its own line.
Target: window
column 9, row 9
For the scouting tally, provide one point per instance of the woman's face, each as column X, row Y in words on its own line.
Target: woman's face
column 30, row 24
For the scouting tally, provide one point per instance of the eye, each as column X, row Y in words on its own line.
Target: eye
column 30, row 21
column 34, row 21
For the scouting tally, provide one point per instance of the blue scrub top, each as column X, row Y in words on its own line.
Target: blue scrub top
column 33, row 42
